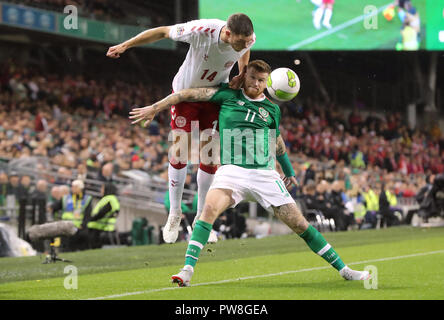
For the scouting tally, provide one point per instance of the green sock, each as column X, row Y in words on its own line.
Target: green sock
column 320, row 246
column 198, row 240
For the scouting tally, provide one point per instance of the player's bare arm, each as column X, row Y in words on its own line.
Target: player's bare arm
column 191, row 95
column 145, row 37
column 280, row 146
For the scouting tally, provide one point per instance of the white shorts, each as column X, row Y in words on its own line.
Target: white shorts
column 263, row 186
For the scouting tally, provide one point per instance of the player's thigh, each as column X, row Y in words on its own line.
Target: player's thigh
column 208, row 116
column 216, row 202
column 267, row 188
column 209, row 137
column 291, row 215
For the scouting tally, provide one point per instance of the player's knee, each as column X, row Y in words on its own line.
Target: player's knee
column 209, row 213
column 301, row 222
column 292, row 216
column 301, row 225
column 298, row 224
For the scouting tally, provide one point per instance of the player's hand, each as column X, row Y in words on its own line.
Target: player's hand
column 238, row 81
column 290, row 180
column 146, row 113
column 115, row 51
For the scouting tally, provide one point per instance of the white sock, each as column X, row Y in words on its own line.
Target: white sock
column 327, row 16
column 204, row 180
column 176, row 181
column 318, row 15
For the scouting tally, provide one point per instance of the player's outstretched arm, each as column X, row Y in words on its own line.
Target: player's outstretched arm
column 191, row 95
column 145, row 37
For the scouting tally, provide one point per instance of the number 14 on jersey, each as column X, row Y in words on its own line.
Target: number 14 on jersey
column 210, row 77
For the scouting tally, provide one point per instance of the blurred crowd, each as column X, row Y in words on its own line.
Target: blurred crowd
column 81, row 125
column 362, row 142
column 37, row 119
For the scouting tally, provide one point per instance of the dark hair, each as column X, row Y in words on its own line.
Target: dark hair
column 240, row 24
column 259, row 66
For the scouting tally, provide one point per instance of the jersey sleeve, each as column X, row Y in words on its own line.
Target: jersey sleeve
column 190, row 31
column 224, row 93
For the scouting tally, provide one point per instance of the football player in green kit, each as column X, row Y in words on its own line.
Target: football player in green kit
column 249, row 142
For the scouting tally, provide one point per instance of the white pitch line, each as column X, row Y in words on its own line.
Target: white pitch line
column 335, row 29
column 262, row 276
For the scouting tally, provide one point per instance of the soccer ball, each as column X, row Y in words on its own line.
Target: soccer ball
column 283, row 84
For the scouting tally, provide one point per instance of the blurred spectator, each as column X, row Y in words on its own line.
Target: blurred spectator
column 55, row 200
column 106, row 172
column 76, row 207
column 63, row 176
column 82, row 172
column 388, row 216
column 102, row 223
column 14, row 185
column 355, row 204
column 338, row 199
column 310, row 173
column 3, row 192
column 39, row 200
column 327, row 206
column 24, row 192
column 371, row 201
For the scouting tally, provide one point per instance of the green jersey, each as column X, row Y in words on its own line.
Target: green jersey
column 248, row 129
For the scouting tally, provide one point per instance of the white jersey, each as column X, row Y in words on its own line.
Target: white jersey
column 209, row 60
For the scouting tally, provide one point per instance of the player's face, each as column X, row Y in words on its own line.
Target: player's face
column 239, row 42
column 255, row 83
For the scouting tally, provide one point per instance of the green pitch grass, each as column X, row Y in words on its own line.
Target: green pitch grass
column 287, row 24
column 408, row 260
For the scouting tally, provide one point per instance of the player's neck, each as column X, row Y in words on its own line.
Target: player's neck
column 223, row 36
column 258, row 97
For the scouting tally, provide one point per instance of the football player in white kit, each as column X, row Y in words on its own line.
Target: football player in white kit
column 215, row 46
